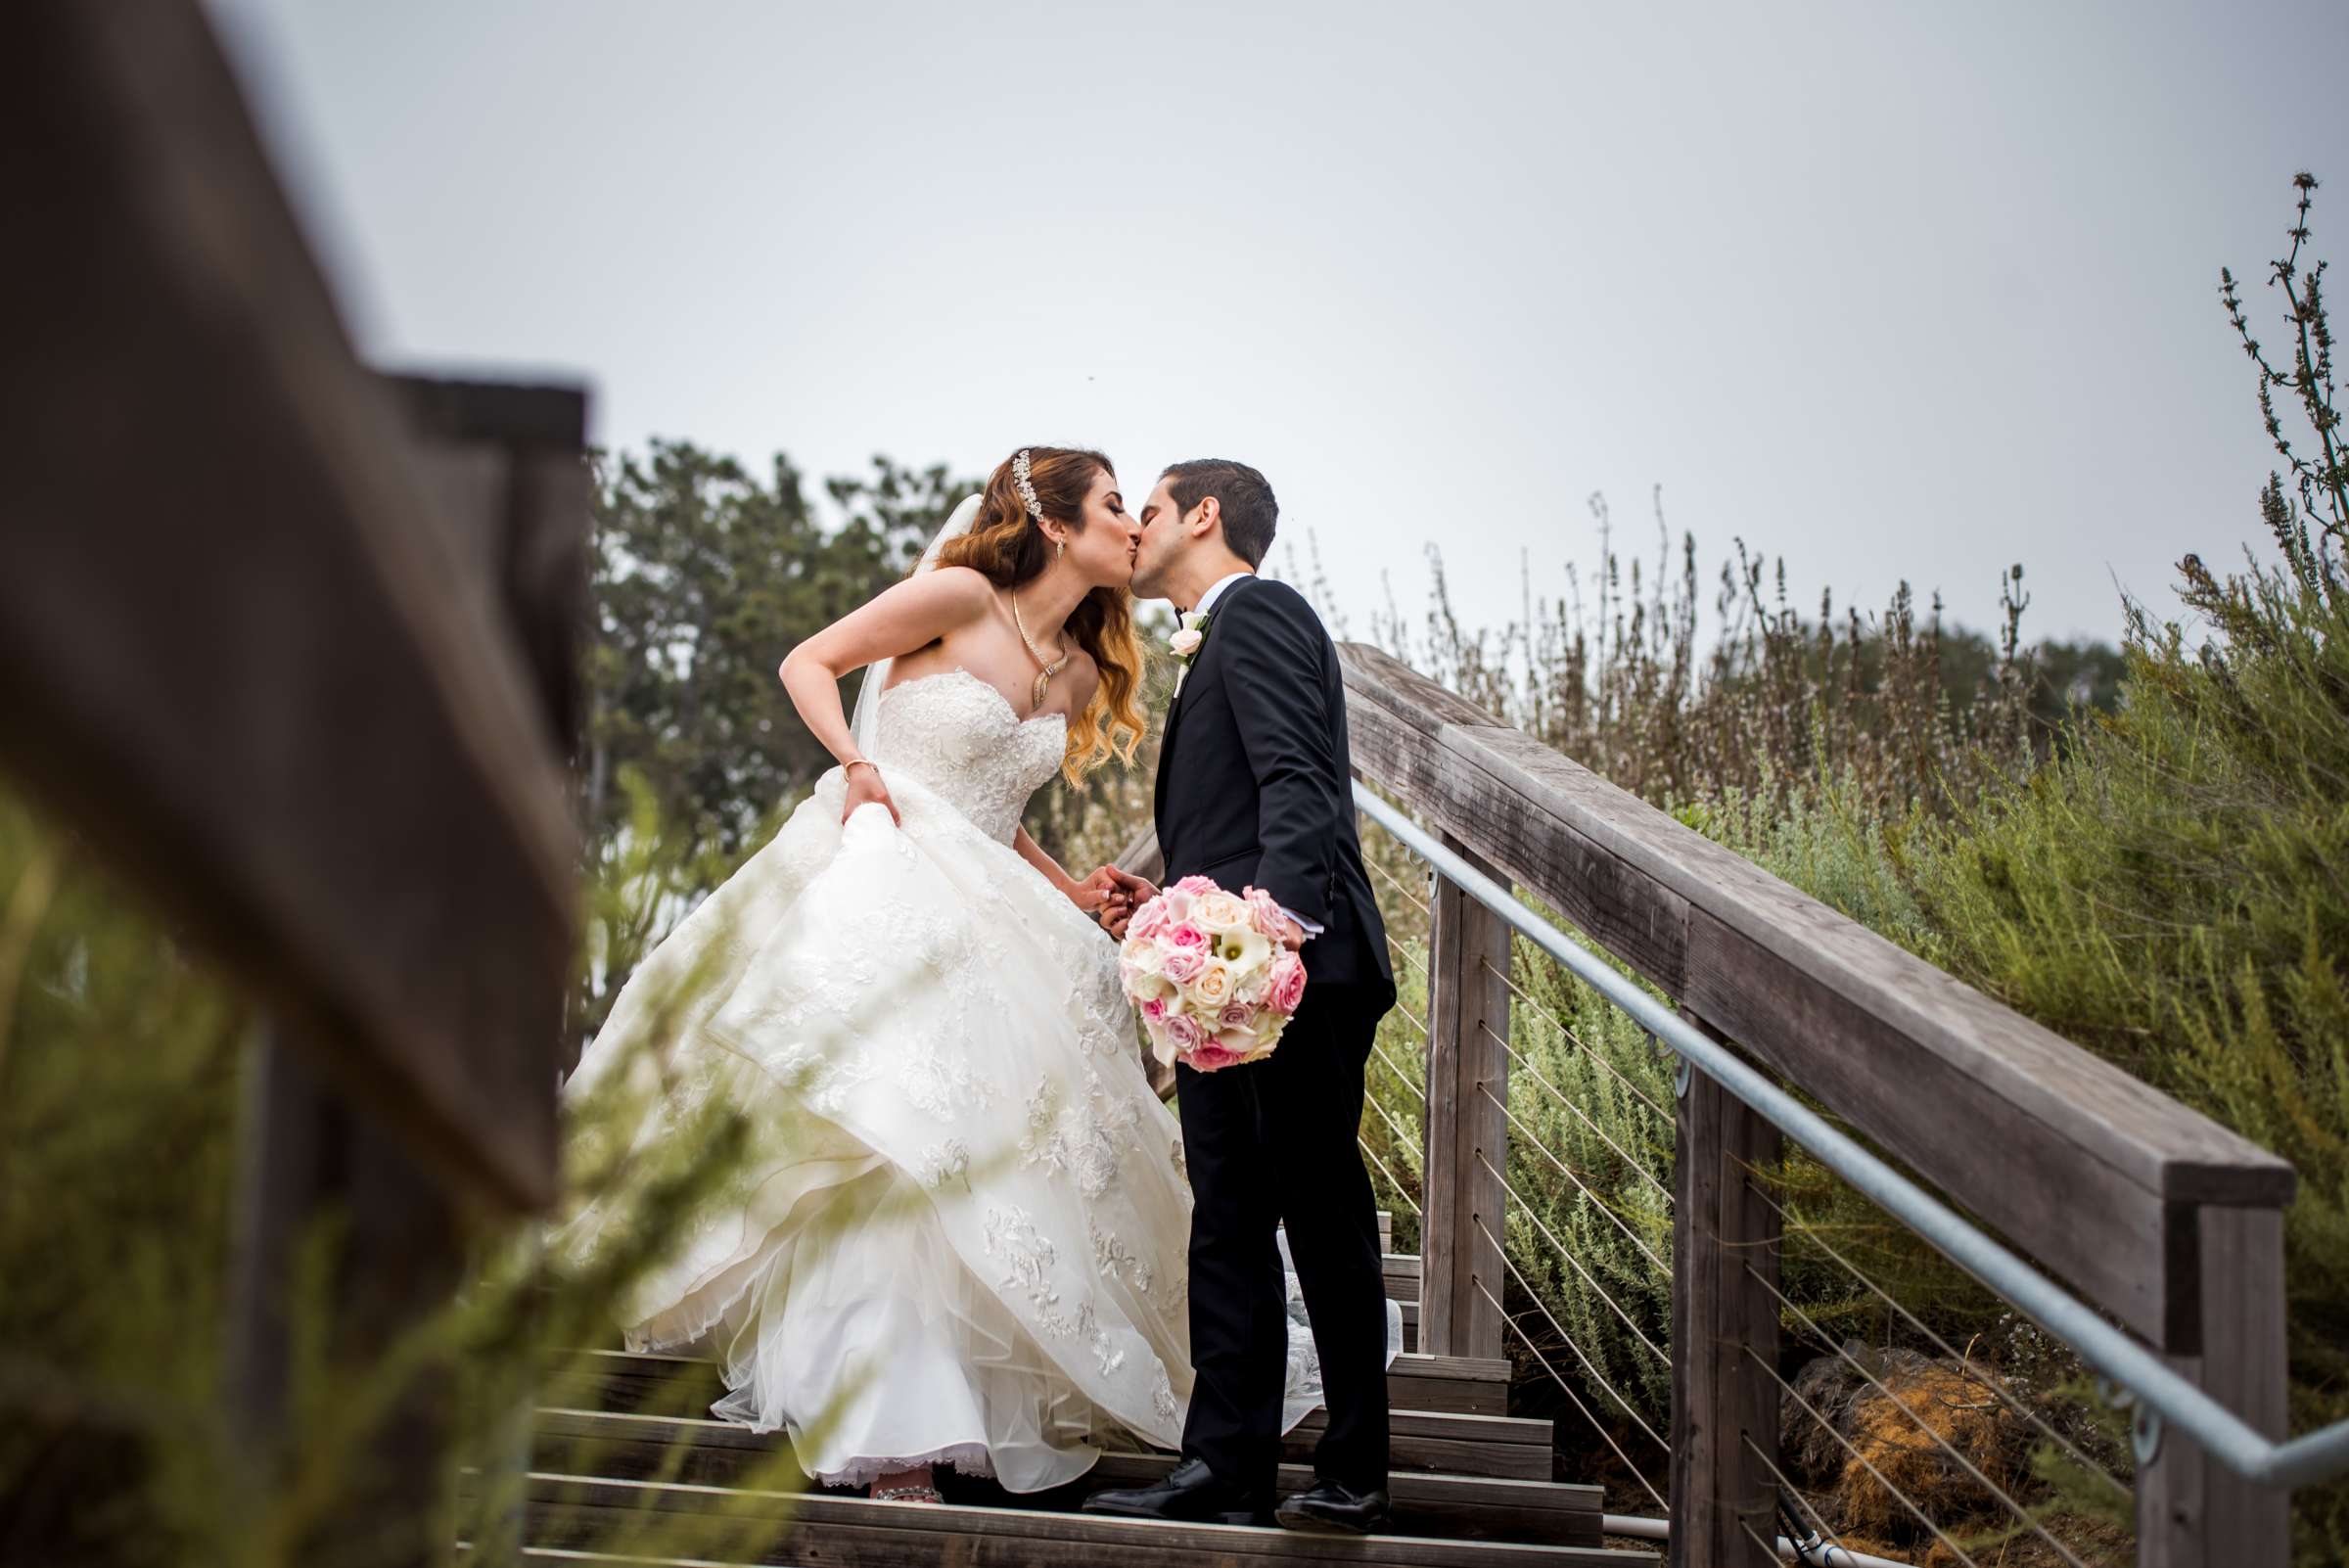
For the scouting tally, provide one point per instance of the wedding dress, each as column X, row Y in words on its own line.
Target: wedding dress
column 964, row 1241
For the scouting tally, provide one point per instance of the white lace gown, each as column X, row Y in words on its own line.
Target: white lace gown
column 964, row 1241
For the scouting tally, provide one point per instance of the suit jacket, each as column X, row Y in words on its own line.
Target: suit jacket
column 1253, row 777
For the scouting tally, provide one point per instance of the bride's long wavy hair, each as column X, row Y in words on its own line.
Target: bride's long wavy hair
column 1009, row 548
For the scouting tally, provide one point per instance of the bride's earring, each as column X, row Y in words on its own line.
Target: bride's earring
column 1059, row 548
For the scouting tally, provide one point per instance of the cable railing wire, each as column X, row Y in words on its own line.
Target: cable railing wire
column 1567, row 1389
column 2159, row 1389
column 2038, row 1423
column 1637, row 1166
column 1576, row 1264
column 1945, row 1445
column 1567, row 1171
column 1395, row 882
column 1558, row 1329
column 1402, row 1139
column 1403, row 953
column 1561, row 1025
column 1829, row 1427
column 1400, row 1191
column 1380, row 1052
column 1820, row 1529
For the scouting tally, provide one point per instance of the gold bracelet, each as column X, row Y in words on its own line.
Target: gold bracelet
column 860, row 761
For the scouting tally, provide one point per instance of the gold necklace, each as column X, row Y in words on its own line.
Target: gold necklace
column 1044, row 679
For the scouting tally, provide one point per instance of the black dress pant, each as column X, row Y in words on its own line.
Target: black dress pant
column 1270, row 1142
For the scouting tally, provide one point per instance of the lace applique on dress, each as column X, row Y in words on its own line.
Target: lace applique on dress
column 958, row 735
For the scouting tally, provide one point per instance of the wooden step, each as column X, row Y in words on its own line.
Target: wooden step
column 1455, row 1442
column 578, row 1512
column 710, row 1452
column 1401, row 1272
column 1468, row 1385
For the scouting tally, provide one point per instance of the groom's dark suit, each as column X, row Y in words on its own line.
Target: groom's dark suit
column 1253, row 790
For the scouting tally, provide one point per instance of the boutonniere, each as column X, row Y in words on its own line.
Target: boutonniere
column 1186, row 642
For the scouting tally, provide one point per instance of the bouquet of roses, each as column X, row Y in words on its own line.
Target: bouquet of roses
column 1206, row 970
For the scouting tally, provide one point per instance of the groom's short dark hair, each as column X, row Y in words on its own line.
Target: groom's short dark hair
column 1249, row 509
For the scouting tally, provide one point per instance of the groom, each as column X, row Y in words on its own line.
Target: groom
column 1253, row 790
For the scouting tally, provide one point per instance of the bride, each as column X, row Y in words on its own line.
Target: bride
column 964, row 1239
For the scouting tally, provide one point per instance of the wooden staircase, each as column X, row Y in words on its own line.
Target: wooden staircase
column 619, row 1433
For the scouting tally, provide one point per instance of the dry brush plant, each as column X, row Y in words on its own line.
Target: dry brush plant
column 121, row 1058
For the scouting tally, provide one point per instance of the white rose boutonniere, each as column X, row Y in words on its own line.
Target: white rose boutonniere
column 1185, row 643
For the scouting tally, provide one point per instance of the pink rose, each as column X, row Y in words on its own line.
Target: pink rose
column 1237, row 1015
column 1149, row 921
column 1284, row 984
column 1183, row 964
column 1154, row 1011
column 1208, row 1058
column 1265, row 910
column 1186, row 935
column 1195, row 886
column 1185, row 1033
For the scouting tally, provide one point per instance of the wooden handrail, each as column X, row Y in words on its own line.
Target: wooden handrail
column 253, row 638
column 2153, row 1212
column 2084, row 1168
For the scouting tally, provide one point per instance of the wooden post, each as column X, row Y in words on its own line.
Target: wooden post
column 2191, row 1511
column 313, row 1160
column 1468, row 1135
column 1725, row 1332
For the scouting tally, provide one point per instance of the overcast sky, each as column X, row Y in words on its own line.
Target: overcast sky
column 1895, row 291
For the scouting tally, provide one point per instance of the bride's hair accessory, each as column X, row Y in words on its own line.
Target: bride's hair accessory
column 1020, row 476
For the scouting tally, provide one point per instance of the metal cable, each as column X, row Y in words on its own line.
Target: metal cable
column 1587, row 1049
column 1577, row 1264
column 1380, row 1052
column 1412, row 1019
column 1772, row 1547
column 1631, row 1236
column 1829, row 1427
column 1395, row 882
column 1559, row 1329
column 1400, row 1191
column 1401, row 1140
column 1787, row 1489
column 1968, row 1465
column 1567, row 1389
column 1645, row 1175
column 1403, row 953
column 2158, row 1388
column 1790, row 1225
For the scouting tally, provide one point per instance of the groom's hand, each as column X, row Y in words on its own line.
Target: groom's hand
column 1139, row 890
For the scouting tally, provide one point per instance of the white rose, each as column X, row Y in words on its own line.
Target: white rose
column 1186, row 641
column 1213, row 988
column 1221, row 911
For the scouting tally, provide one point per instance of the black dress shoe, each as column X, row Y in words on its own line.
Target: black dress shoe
column 1333, row 1508
column 1190, row 1493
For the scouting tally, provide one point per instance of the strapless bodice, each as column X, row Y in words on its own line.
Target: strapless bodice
column 958, row 735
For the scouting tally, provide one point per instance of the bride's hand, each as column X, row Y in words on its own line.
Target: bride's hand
column 1095, row 892
column 865, row 788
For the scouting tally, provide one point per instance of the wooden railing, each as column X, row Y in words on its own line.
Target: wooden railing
column 2150, row 1212
column 293, row 644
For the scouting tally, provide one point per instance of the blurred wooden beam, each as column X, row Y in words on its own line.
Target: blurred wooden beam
column 243, row 645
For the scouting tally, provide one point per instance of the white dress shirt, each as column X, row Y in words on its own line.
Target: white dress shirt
column 1207, row 602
